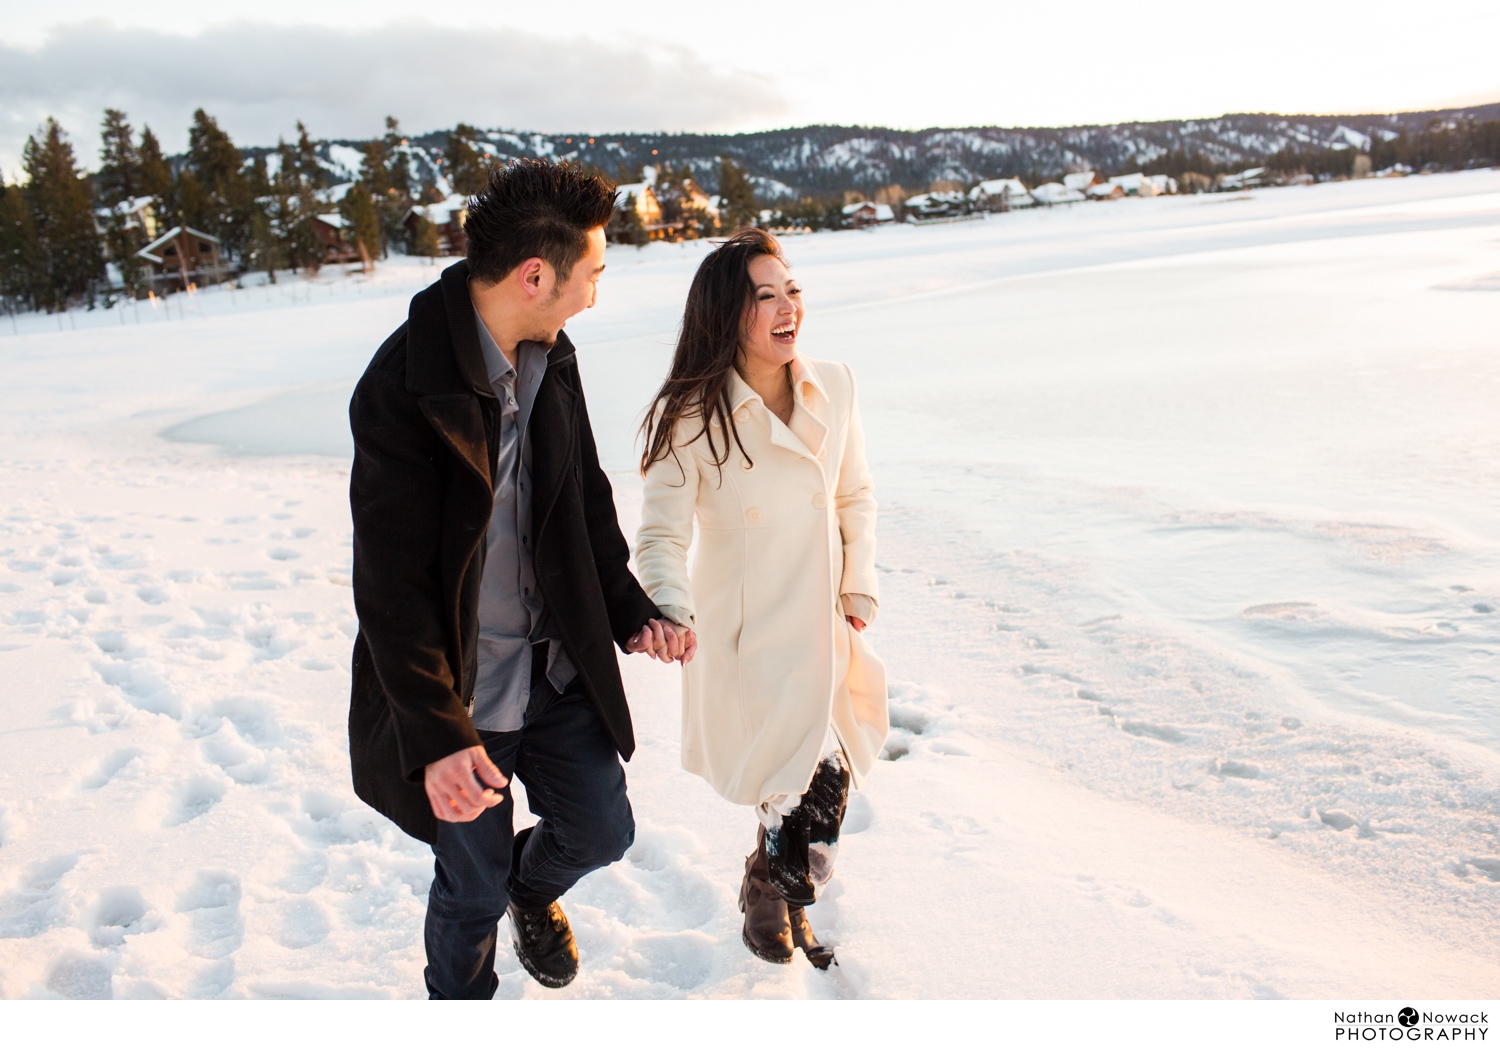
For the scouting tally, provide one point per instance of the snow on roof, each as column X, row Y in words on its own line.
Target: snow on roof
column 441, row 214
column 635, row 189
column 149, row 251
column 334, row 219
column 883, row 212
column 1127, row 182
column 1056, row 193
column 997, row 187
column 1079, row 180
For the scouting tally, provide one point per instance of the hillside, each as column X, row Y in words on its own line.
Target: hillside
column 822, row 160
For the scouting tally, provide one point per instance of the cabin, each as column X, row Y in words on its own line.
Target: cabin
column 636, row 202
column 336, row 235
column 1000, row 195
column 939, row 205
column 1050, row 193
column 133, row 213
column 449, row 216
column 1105, row 191
column 861, row 214
column 1136, row 185
column 184, row 258
column 1081, row 180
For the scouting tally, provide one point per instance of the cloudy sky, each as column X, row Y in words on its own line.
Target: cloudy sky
column 591, row 65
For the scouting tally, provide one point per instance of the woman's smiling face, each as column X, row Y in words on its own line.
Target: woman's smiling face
column 768, row 339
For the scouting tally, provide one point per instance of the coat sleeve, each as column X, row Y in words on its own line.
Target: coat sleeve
column 626, row 602
column 855, row 501
column 396, row 502
column 661, row 545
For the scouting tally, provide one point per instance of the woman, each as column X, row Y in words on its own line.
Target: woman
column 785, row 704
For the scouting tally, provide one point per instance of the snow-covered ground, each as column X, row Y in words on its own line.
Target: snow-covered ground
column 1191, row 541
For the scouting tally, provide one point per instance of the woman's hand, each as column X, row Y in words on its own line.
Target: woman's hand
column 858, row 624
column 665, row 641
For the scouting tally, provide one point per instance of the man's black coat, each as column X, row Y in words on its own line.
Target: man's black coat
column 425, row 446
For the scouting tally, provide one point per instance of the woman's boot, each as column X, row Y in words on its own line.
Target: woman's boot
column 768, row 931
column 803, row 937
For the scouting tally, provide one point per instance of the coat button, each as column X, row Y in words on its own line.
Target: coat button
column 742, row 416
column 745, row 464
column 820, row 501
column 754, row 514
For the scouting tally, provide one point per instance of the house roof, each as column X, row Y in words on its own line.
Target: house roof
column 1056, row 193
column 334, row 219
column 1079, row 180
column 995, row 187
column 883, row 212
column 441, row 213
column 149, row 251
column 1127, row 182
column 635, row 189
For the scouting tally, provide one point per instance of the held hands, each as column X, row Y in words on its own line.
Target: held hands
column 453, row 790
column 665, row 641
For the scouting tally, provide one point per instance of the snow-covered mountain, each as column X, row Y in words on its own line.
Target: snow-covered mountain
column 825, row 159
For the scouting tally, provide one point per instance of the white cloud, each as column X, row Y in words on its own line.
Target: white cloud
column 259, row 79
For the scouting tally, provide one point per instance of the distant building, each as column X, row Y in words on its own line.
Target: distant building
column 334, row 233
column 941, row 205
column 449, row 216
column 1050, row 193
column 1001, row 195
column 1081, row 180
column 184, row 258
column 1105, row 191
column 638, row 198
column 1136, row 185
column 865, row 213
column 134, row 213
column 1246, row 179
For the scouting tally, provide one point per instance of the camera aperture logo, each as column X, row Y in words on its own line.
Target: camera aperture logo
column 1410, row 1025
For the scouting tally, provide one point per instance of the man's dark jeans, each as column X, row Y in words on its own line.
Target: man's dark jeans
column 576, row 787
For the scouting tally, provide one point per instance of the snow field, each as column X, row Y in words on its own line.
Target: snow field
column 1190, row 574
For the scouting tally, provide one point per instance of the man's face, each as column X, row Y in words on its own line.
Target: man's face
column 575, row 294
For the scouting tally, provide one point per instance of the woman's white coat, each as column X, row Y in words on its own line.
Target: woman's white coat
column 781, row 534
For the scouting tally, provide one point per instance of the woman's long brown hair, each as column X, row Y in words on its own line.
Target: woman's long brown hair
column 698, row 384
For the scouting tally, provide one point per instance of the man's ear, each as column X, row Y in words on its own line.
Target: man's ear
column 531, row 274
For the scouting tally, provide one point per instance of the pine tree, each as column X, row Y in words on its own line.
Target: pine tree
column 738, row 206
column 468, row 169
column 390, row 204
column 359, row 208
column 119, row 176
column 61, row 203
column 425, row 239
column 156, row 175
column 120, row 180
column 223, row 203
column 400, row 162
column 307, row 164
column 19, row 258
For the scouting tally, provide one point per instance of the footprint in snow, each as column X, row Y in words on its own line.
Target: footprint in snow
column 212, row 905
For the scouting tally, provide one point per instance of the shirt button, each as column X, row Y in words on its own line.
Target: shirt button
column 820, row 501
column 754, row 514
column 742, row 416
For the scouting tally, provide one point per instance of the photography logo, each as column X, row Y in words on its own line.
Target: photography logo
column 1410, row 1025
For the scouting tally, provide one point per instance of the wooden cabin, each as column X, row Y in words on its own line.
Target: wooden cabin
column 182, row 258
column 448, row 216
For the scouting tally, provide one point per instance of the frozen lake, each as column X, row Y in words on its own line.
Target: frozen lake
column 1191, row 534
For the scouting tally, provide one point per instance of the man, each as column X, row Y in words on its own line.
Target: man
column 490, row 578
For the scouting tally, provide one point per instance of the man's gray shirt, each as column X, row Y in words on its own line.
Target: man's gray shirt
column 511, row 613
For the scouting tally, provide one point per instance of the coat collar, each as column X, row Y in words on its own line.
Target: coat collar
column 444, row 356
column 808, row 433
column 805, row 382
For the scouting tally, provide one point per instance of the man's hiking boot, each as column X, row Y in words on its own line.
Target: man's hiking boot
column 544, row 944
column 768, row 932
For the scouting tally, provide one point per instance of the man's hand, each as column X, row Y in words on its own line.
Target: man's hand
column 858, row 624
column 454, row 793
column 665, row 641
